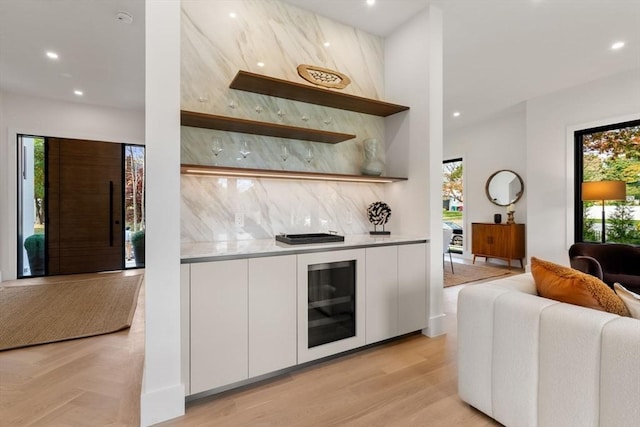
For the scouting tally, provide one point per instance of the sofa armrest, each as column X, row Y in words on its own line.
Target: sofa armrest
column 587, row 264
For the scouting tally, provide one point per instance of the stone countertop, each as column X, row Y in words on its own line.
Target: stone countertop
column 219, row 251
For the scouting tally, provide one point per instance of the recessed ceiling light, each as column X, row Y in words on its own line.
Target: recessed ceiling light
column 617, row 45
column 260, row 64
column 326, row 44
column 78, row 92
column 371, row 2
column 456, row 114
column 52, row 55
column 232, row 15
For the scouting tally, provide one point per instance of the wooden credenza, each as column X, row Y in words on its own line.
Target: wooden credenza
column 502, row 241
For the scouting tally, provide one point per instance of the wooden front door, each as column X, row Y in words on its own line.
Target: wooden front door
column 84, row 206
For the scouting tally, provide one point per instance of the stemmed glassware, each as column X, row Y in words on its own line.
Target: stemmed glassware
column 309, row 156
column 284, row 153
column 244, row 149
column 216, row 148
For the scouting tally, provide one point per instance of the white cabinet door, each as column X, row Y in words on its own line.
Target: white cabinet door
column 412, row 288
column 272, row 314
column 219, row 313
column 381, row 293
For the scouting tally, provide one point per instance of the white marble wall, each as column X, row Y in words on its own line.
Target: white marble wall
column 270, row 207
column 214, row 47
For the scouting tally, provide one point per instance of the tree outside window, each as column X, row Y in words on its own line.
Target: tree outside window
column 610, row 153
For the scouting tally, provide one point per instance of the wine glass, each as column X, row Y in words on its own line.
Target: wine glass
column 284, row 153
column 309, row 156
column 244, row 149
column 216, row 148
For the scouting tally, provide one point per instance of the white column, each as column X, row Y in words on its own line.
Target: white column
column 413, row 77
column 162, row 391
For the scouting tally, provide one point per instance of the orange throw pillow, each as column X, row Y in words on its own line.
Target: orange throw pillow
column 565, row 284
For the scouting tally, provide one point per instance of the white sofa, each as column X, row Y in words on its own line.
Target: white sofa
column 525, row 360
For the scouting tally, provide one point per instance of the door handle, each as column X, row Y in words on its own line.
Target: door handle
column 110, row 213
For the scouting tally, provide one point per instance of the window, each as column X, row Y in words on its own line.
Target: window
column 452, row 201
column 602, row 154
column 31, row 206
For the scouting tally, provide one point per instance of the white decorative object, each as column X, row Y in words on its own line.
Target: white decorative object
column 372, row 165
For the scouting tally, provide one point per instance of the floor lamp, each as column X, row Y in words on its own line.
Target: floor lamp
column 602, row 191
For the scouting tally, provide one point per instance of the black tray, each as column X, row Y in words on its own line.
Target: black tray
column 305, row 239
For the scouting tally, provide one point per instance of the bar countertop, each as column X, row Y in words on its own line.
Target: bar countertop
column 255, row 248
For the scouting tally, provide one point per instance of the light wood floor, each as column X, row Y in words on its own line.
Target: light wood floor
column 96, row 382
column 91, row 381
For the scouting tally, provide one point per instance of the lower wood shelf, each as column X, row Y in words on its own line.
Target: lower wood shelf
column 221, row 171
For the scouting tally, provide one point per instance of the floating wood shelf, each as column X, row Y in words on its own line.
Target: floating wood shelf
column 281, row 174
column 232, row 124
column 271, row 86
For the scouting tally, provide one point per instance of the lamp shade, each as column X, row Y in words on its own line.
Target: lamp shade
column 604, row 190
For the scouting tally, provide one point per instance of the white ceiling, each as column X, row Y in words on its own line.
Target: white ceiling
column 497, row 53
column 98, row 54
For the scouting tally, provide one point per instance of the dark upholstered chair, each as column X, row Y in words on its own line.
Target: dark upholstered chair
column 610, row 262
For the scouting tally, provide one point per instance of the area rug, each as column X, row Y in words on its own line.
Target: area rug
column 39, row 314
column 465, row 273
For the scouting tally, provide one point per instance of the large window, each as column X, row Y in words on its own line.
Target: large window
column 453, row 201
column 608, row 153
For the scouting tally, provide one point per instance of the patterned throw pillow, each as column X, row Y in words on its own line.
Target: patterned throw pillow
column 565, row 284
column 630, row 299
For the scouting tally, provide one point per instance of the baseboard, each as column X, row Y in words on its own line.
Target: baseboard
column 161, row 405
column 435, row 327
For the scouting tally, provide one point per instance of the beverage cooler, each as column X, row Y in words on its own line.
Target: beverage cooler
column 330, row 303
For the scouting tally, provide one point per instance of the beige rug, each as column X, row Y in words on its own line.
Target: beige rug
column 465, row 273
column 39, row 314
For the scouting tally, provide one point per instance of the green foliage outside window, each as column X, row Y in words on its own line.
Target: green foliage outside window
column 621, row 227
column 613, row 155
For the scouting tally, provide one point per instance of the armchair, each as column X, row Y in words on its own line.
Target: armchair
column 610, row 262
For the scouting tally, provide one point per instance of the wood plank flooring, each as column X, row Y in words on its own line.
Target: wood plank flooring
column 91, row 381
column 96, row 382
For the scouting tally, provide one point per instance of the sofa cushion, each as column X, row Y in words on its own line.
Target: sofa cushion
column 565, row 284
column 630, row 299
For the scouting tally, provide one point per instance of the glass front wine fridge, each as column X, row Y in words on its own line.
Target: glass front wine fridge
column 332, row 306
column 331, row 310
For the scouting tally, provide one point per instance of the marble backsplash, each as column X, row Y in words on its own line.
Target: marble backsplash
column 269, row 207
column 214, row 46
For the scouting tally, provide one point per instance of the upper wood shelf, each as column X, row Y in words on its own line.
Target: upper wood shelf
column 224, row 171
column 271, row 86
column 232, row 124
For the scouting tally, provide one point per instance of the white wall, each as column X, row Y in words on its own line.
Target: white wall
column 551, row 121
column 43, row 117
column 162, row 391
column 413, row 77
column 486, row 147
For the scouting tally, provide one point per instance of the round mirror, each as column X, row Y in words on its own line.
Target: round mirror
column 504, row 187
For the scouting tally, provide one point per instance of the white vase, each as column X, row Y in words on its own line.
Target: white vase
column 371, row 165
